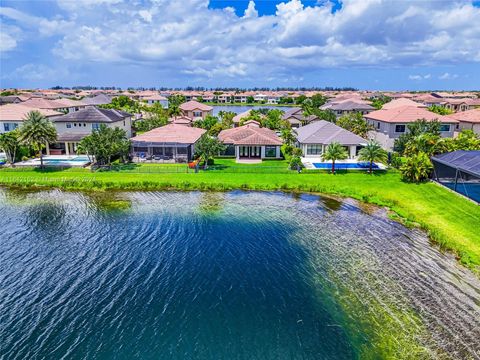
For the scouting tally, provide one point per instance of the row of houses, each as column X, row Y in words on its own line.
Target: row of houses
column 74, row 121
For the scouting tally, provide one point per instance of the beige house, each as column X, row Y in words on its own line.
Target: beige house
column 195, row 110
column 467, row 120
column 13, row 115
column 389, row 124
column 73, row 127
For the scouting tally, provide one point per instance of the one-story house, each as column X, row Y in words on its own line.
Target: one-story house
column 315, row 137
column 172, row 142
column 251, row 142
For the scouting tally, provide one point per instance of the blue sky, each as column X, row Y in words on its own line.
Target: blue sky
column 368, row 44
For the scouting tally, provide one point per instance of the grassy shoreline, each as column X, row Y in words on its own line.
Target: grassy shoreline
column 448, row 218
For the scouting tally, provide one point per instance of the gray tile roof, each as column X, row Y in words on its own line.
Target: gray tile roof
column 324, row 132
column 99, row 99
column 92, row 114
column 348, row 106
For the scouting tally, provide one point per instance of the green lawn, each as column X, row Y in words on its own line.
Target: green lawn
column 450, row 220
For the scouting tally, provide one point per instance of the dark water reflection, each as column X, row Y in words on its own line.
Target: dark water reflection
column 222, row 276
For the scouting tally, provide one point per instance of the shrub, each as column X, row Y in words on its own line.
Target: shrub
column 416, row 168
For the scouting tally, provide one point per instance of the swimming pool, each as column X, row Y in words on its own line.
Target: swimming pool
column 339, row 166
column 65, row 161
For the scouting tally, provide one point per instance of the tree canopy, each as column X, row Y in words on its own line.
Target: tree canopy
column 208, row 147
column 105, row 145
column 355, row 123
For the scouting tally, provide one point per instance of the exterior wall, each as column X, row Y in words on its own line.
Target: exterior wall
column 83, row 127
column 385, row 132
column 164, row 103
column 278, row 154
column 11, row 125
column 190, row 114
column 352, row 150
column 467, row 126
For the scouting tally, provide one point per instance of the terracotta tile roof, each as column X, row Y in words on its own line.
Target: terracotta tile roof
column 249, row 134
column 171, row 133
column 402, row 102
column 18, row 112
column 195, row 105
column 183, row 120
column 406, row 114
column 471, row 116
column 237, row 118
column 41, row 103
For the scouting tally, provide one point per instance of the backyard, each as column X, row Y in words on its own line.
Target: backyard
column 447, row 217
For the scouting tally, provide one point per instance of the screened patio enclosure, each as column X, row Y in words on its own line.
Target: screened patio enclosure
column 459, row 171
column 163, row 151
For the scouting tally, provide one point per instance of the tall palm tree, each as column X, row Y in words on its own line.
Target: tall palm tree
column 37, row 131
column 373, row 152
column 334, row 152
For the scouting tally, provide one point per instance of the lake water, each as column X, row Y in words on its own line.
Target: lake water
column 239, row 275
column 241, row 109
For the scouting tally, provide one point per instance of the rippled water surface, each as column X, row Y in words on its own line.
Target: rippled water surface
column 166, row 275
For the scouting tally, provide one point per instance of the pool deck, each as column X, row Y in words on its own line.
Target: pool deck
column 309, row 161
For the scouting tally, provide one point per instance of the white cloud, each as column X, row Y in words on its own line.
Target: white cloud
column 448, row 76
column 419, row 77
column 250, row 11
column 41, row 25
column 187, row 37
column 7, row 42
column 35, row 72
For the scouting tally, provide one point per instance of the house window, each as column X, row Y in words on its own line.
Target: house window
column 270, row 151
column 197, row 114
column 68, row 125
column 314, row 149
column 95, row 126
column 399, row 128
column 378, row 125
column 445, row 127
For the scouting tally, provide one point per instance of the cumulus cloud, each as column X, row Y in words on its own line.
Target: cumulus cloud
column 250, row 11
column 187, row 37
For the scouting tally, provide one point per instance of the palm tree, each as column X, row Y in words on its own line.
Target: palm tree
column 373, row 152
column 333, row 152
column 288, row 136
column 9, row 143
column 36, row 132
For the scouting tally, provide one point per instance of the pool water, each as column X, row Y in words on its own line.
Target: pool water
column 359, row 165
column 77, row 161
